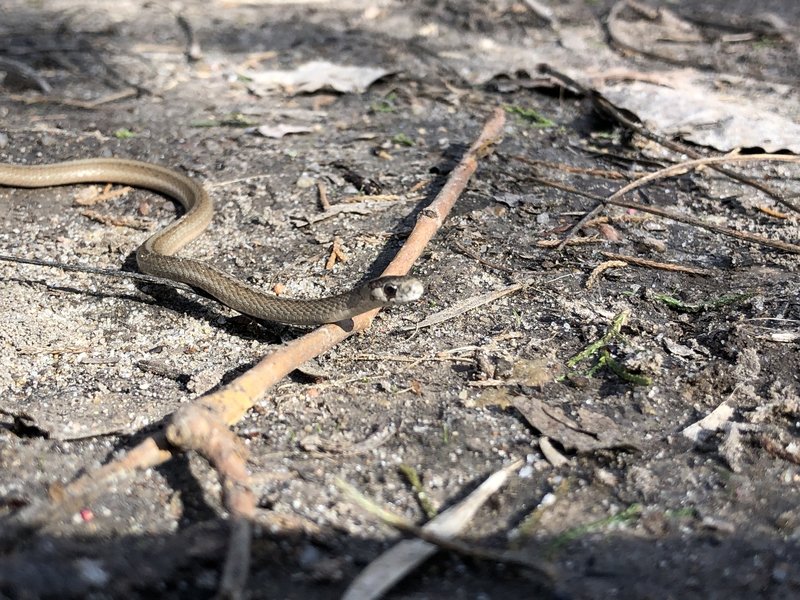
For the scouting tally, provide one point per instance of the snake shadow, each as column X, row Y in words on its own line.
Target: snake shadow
column 205, row 307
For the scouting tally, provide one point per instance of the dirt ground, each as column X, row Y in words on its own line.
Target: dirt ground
column 627, row 504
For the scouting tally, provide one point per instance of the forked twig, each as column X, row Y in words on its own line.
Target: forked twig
column 608, row 108
column 680, row 168
column 200, row 425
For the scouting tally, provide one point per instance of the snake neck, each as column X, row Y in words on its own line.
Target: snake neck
column 252, row 301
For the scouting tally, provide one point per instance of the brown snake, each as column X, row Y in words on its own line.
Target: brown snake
column 155, row 255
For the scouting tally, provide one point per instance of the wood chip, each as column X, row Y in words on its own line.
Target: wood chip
column 91, row 195
column 336, row 255
column 709, row 424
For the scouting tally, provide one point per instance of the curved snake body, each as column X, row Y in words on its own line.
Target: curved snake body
column 156, row 255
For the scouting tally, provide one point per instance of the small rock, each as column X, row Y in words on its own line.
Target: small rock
column 606, row 477
column 304, row 181
column 204, row 380
column 718, row 524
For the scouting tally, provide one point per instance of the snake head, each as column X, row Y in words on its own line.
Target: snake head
column 396, row 290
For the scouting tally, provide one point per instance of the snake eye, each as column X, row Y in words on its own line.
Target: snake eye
column 396, row 290
column 390, row 290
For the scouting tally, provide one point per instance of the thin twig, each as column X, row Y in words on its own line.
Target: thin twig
column 358, row 208
column 741, row 235
column 601, row 268
column 661, row 212
column 573, row 242
column 591, row 171
column 653, row 264
column 474, row 302
column 25, row 72
column 322, row 190
column 678, row 169
column 451, row 312
column 100, row 271
column 609, row 109
column 196, row 427
column 122, row 94
column 700, row 162
column 476, row 256
column 438, row 533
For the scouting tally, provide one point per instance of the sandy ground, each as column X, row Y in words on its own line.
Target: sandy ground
column 90, row 364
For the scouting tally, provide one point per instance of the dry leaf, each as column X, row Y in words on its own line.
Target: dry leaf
column 594, row 432
column 712, row 422
column 699, row 115
column 318, row 75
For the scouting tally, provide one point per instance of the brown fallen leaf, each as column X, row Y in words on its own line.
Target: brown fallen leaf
column 594, row 432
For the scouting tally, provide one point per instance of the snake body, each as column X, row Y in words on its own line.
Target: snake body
column 156, row 255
